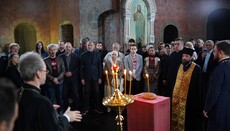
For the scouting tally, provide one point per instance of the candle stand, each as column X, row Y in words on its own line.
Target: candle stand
column 117, row 101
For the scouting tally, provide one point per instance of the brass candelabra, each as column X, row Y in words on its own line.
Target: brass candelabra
column 117, row 101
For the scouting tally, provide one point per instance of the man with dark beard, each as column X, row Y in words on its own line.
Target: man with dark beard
column 186, row 97
column 217, row 104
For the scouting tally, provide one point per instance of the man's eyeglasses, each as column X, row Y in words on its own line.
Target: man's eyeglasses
column 47, row 71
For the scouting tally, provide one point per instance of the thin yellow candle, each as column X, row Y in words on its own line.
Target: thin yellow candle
column 130, row 82
column 147, row 76
column 107, row 78
column 114, row 84
column 125, row 80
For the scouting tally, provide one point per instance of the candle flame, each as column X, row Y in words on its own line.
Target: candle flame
column 125, row 71
column 106, row 72
column 147, row 75
column 130, row 72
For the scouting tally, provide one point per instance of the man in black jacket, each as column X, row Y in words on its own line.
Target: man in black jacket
column 91, row 73
column 71, row 79
column 36, row 113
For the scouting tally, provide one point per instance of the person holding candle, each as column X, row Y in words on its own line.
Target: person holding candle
column 108, row 66
column 151, row 67
column 134, row 63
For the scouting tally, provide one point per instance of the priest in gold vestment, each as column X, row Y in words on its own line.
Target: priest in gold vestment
column 187, row 96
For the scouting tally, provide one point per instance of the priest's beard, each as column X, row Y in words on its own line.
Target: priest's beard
column 185, row 62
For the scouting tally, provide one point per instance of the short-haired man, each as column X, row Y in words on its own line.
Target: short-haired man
column 134, row 63
column 174, row 62
column 91, row 73
column 217, row 104
column 36, row 112
column 54, row 82
column 8, row 105
column 71, row 77
column 61, row 47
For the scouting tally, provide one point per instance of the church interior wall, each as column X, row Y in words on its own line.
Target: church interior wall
column 190, row 18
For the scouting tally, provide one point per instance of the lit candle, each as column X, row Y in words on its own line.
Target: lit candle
column 147, row 76
column 125, row 80
column 130, row 82
column 113, row 79
column 107, row 78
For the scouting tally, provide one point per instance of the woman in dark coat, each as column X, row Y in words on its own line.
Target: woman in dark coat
column 40, row 49
column 12, row 71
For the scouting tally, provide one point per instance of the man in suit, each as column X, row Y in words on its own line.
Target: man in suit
column 217, row 105
column 82, row 47
column 207, row 63
column 8, row 105
column 36, row 112
column 91, row 73
column 54, row 82
column 61, row 47
column 71, row 85
column 134, row 63
column 174, row 62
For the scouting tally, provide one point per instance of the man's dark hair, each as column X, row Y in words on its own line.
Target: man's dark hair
column 178, row 39
column 8, row 99
column 131, row 41
column 224, row 45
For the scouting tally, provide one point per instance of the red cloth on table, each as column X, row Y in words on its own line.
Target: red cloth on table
column 149, row 115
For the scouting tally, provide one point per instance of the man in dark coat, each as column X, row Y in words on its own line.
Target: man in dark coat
column 207, row 63
column 71, row 79
column 36, row 112
column 187, row 96
column 174, row 62
column 217, row 106
column 91, row 74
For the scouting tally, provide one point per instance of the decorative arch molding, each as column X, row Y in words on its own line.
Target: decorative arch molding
column 151, row 13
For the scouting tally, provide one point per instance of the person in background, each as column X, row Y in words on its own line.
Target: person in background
column 217, row 104
column 13, row 48
column 102, row 51
column 54, row 81
column 116, row 47
column 134, row 63
column 71, row 78
column 36, row 112
column 91, row 73
column 190, row 45
column 40, row 49
column 152, row 68
column 168, row 49
column 82, row 47
column 8, row 105
column 12, row 71
column 174, row 62
column 61, row 47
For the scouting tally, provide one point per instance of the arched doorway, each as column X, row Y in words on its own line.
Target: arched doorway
column 170, row 33
column 25, row 36
column 66, row 33
column 107, row 28
column 218, row 27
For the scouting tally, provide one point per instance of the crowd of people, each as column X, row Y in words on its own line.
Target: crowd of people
column 64, row 81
